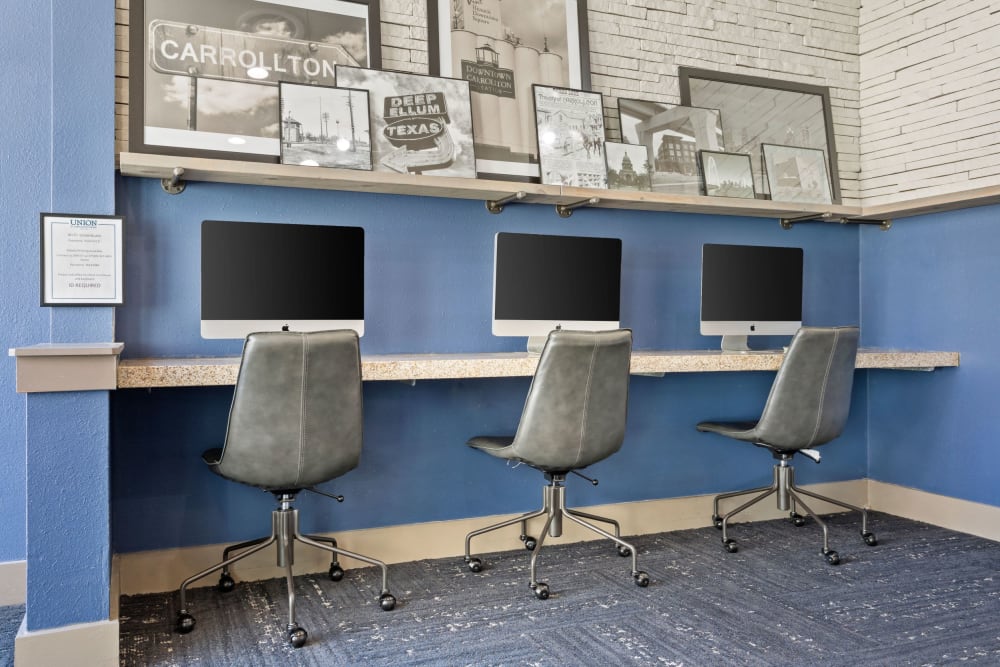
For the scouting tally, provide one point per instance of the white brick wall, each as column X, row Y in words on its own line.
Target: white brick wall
column 930, row 97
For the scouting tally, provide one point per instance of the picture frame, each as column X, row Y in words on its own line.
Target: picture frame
column 503, row 48
column 726, row 174
column 81, row 260
column 204, row 76
column 673, row 134
column 758, row 110
column 629, row 166
column 324, row 126
column 796, row 174
column 420, row 124
column 570, row 127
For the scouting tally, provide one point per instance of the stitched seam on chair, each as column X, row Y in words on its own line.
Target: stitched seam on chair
column 822, row 394
column 586, row 401
column 302, row 407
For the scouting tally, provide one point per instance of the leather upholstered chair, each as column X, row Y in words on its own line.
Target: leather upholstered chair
column 295, row 422
column 807, row 407
column 574, row 416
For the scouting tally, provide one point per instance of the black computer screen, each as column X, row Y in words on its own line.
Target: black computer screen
column 557, row 278
column 271, row 271
column 751, row 283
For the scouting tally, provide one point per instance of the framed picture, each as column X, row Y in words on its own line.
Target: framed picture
column 325, row 127
column 673, row 134
column 82, row 260
column 796, row 174
column 727, row 174
column 419, row 124
column 502, row 48
column 204, row 75
column 629, row 167
column 758, row 111
column 570, row 125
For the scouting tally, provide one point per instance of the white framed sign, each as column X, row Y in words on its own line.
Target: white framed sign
column 82, row 260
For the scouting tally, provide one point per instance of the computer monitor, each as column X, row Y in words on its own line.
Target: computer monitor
column 750, row 291
column 543, row 282
column 261, row 276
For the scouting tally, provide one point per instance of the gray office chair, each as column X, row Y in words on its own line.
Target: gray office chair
column 295, row 422
column 574, row 416
column 807, row 407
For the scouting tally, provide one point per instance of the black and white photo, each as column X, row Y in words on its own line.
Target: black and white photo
column 673, row 134
column 570, row 137
column 757, row 110
column 419, row 124
column 727, row 174
column 629, row 167
column 502, row 48
column 796, row 174
column 204, row 76
column 323, row 126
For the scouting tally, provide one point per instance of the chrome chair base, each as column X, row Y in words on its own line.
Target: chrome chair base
column 284, row 533
column 789, row 497
column 554, row 509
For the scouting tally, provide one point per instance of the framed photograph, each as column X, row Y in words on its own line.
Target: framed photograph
column 204, row 75
column 758, row 111
column 796, row 174
column 570, row 125
column 727, row 174
column 82, row 260
column 502, row 48
column 673, row 134
column 419, row 124
column 629, row 167
column 325, row 127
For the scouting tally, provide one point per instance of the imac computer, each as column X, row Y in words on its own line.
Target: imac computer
column 543, row 282
column 750, row 291
column 262, row 276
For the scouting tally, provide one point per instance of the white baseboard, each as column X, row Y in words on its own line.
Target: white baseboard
column 91, row 644
column 13, row 582
column 164, row 570
column 964, row 516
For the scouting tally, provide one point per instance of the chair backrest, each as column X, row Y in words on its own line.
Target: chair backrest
column 576, row 408
column 296, row 417
column 811, row 395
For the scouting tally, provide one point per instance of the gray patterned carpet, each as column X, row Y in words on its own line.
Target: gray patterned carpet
column 10, row 621
column 923, row 596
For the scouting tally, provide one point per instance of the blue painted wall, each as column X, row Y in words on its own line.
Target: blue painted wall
column 428, row 289
column 932, row 282
column 56, row 154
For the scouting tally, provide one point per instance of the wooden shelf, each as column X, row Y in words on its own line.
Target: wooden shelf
column 294, row 176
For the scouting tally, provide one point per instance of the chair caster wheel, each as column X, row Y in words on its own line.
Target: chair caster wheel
column 717, row 521
column 530, row 543
column 832, row 557
column 541, row 590
column 387, row 601
column 336, row 572
column 869, row 539
column 185, row 623
column 226, row 583
column 624, row 551
column 797, row 520
column 641, row 579
column 297, row 636
column 475, row 564
column 730, row 546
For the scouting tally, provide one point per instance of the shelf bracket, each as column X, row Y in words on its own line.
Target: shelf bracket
column 566, row 210
column 174, row 185
column 496, row 205
column 788, row 223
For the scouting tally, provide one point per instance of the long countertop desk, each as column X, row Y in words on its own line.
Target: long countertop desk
column 220, row 371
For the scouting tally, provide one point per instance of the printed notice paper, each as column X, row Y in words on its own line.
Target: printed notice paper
column 81, row 260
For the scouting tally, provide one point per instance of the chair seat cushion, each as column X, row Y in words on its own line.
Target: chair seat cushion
column 738, row 430
column 494, row 445
column 212, row 456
